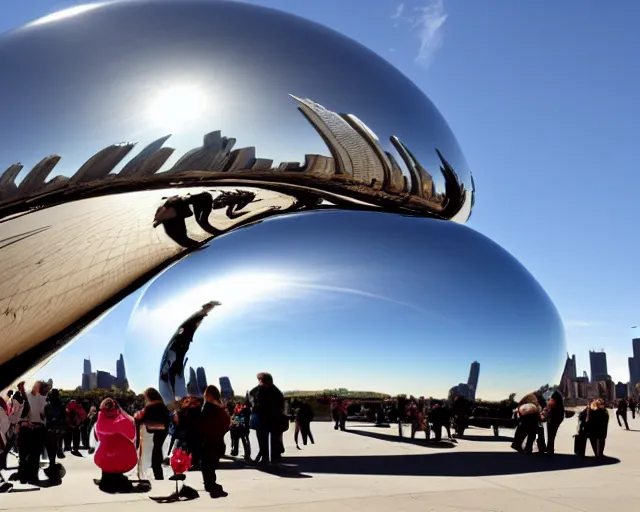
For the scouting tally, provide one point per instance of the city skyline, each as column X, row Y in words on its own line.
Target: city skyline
column 584, row 109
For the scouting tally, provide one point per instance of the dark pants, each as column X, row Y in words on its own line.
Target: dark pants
column 527, row 426
column 536, row 434
column 303, row 428
column 171, row 443
column 552, row 430
column 266, row 437
column 209, row 464
column 597, row 443
column 30, row 444
column 72, row 439
column 240, row 433
column 623, row 415
column 156, row 454
column 53, row 445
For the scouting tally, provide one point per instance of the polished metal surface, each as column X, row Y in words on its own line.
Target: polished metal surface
column 359, row 300
column 135, row 132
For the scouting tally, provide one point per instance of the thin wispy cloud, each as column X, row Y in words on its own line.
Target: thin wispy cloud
column 427, row 22
column 578, row 323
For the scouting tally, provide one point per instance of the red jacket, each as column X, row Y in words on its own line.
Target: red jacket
column 116, row 435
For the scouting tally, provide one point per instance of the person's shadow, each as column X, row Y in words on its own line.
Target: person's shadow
column 450, row 463
column 418, row 441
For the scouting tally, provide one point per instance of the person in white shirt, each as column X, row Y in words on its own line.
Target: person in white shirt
column 32, row 435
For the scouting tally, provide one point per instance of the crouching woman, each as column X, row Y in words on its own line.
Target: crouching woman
column 116, row 455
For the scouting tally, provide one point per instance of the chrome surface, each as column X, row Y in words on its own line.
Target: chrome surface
column 135, row 132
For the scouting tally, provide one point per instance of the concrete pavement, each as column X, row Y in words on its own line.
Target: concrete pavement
column 368, row 469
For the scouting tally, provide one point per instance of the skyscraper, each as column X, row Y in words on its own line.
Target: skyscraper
column 201, row 378
column 474, row 375
column 121, row 374
column 598, row 362
column 634, row 364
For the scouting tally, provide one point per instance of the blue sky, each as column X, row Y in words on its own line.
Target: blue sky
column 543, row 102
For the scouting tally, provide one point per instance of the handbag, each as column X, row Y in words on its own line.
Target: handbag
column 254, row 421
column 284, row 423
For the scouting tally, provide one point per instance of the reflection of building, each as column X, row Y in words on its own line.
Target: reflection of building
column 104, row 380
column 598, row 362
column 135, row 166
column 351, row 143
column 225, row 388
column 474, row 375
column 192, row 385
column 101, row 164
column 201, row 379
column 210, row 157
column 468, row 389
column 37, row 176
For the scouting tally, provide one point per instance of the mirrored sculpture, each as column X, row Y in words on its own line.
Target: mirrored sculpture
column 163, row 127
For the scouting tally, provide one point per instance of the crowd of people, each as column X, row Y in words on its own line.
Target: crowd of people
column 35, row 421
column 145, row 432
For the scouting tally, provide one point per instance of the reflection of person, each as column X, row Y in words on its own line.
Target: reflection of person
column 173, row 363
column 172, row 216
column 202, row 204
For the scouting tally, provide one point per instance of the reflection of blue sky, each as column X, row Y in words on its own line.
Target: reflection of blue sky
column 353, row 300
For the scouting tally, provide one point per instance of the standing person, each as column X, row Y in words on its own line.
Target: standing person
column 304, row 417
column 621, row 412
column 269, row 405
column 56, row 422
column 597, row 424
column 402, row 413
column 213, row 425
column 187, row 435
column 4, row 434
column 32, row 435
column 240, row 431
column 75, row 418
column 154, row 419
column 555, row 417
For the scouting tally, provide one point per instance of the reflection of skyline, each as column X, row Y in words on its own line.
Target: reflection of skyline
column 357, row 164
column 299, row 325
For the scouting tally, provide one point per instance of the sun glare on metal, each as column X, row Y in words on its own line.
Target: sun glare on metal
column 177, row 106
column 66, row 13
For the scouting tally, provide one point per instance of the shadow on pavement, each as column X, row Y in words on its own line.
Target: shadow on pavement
column 487, row 439
column 455, row 464
column 406, row 440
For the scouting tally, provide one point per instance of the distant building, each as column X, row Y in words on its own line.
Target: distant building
column 622, row 390
column 634, row 365
column 598, row 362
column 104, row 380
column 225, row 388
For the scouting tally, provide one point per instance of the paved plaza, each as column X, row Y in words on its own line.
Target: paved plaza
column 367, row 469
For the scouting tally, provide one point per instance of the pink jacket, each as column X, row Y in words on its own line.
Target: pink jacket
column 116, row 435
